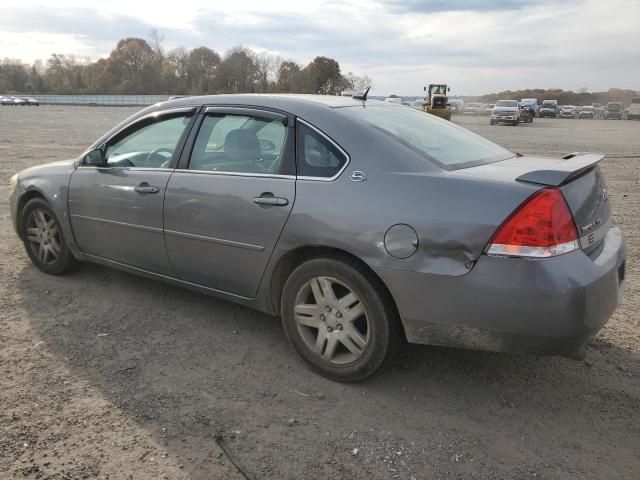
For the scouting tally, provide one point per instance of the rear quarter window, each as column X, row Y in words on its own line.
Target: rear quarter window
column 317, row 156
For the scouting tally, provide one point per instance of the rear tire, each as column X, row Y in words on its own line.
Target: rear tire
column 43, row 238
column 339, row 319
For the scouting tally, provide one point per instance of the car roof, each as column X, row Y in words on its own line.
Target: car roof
column 274, row 100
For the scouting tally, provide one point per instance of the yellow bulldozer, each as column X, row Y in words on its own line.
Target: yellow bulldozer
column 437, row 101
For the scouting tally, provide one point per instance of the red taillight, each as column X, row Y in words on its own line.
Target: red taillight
column 541, row 227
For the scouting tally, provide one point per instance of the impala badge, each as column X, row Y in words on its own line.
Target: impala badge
column 605, row 195
column 357, row 176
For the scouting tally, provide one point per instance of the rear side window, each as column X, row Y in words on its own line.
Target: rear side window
column 317, row 156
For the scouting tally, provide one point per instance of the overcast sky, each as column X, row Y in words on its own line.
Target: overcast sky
column 477, row 46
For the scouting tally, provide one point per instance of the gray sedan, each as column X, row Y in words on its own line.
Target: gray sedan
column 362, row 224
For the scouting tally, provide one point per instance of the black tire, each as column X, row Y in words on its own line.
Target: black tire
column 515, row 124
column 492, row 122
column 383, row 335
column 64, row 260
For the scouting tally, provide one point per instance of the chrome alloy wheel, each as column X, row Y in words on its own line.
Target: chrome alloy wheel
column 332, row 320
column 43, row 235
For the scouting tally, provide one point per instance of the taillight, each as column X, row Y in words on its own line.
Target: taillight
column 541, row 227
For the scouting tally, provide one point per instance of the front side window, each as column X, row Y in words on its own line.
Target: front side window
column 238, row 144
column 151, row 145
column 317, row 156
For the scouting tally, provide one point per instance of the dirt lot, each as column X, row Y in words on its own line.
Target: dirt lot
column 107, row 375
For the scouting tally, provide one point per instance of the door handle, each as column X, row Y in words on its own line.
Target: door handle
column 144, row 187
column 271, row 200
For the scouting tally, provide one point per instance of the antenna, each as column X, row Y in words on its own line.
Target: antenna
column 362, row 97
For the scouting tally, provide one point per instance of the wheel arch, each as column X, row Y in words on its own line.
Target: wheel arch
column 22, row 201
column 295, row 257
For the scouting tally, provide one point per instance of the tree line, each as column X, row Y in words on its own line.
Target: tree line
column 140, row 66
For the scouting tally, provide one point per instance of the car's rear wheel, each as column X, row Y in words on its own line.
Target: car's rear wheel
column 338, row 318
column 43, row 238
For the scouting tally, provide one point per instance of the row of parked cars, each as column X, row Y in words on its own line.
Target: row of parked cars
column 514, row 111
column 18, row 101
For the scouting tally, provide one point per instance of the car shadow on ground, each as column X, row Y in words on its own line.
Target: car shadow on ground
column 189, row 368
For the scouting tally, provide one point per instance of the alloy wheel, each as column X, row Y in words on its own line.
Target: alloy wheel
column 332, row 320
column 43, row 235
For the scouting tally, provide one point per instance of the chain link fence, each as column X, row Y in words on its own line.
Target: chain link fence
column 101, row 100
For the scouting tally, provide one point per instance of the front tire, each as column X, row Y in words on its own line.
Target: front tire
column 43, row 238
column 338, row 318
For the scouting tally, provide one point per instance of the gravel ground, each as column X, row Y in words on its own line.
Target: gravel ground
column 107, row 375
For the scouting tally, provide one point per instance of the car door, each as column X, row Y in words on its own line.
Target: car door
column 116, row 209
column 228, row 202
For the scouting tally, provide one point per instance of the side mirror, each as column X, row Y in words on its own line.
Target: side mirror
column 448, row 89
column 425, row 89
column 94, row 158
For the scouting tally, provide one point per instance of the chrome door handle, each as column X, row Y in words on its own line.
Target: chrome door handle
column 146, row 188
column 273, row 201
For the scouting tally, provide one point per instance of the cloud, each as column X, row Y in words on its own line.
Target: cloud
column 475, row 46
column 436, row 6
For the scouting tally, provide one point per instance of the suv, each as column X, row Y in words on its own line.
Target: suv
column 531, row 104
column 634, row 109
column 613, row 110
column 549, row 108
column 587, row 112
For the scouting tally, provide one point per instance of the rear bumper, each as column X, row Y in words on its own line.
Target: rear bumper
column 550, row 306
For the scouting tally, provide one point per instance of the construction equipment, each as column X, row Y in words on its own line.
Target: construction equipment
column 437, row 101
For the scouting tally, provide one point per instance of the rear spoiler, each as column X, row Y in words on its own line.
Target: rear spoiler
column 571, row 166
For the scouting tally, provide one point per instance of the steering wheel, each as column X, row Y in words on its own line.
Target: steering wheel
column 158, row 152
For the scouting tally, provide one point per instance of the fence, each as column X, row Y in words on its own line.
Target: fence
column 102, row 100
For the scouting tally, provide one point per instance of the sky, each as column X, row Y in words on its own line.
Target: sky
column 476, row 46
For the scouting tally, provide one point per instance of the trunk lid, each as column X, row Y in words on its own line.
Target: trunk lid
column 579, row 178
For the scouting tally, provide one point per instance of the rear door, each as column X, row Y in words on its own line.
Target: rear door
column 116, row 210
column 229, row 200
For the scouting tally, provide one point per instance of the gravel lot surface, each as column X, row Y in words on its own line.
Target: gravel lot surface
column 107, row 375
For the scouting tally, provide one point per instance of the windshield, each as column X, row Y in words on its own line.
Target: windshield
column 507, row 103
column 529, row 101
column 548, row 104
column 614, row 107
column 442, row 142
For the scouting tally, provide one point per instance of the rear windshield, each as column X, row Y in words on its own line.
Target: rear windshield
column 444, row 143
column 507, row 103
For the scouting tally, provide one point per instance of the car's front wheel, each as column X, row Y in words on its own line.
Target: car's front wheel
column 338, row 318
column 43, row 238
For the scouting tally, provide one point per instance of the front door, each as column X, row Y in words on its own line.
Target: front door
column 225, row 210
column 116, row 210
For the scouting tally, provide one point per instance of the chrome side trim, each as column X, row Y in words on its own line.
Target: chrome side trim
column 595, row 236
column 125, row 266
column 217, row 241
column 235, row 174
column 330, row 140
column 119, row 224
column 135, row 169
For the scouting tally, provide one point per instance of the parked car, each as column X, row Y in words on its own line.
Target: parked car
column 6, row 101
column 506, row 111
column 587, row 112
column 394, row 99
column 531, row 104
column 473, row 108
column 31, row 101
column 567, row 111
column 549, row 108
column 274, row 202
column 488, row 108
column 18, row 101
column 418, row 104
column 613, row 110
column 634, row 109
